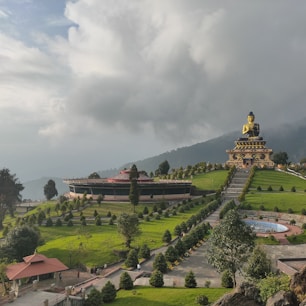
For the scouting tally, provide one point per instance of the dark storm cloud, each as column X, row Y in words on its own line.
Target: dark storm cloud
column 145, row 74
column 188, row 70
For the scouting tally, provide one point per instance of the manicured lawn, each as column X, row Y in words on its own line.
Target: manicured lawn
column 283, row 200
column 264, row 178
column 94, row 245
column 210, row 180
column 166, row 296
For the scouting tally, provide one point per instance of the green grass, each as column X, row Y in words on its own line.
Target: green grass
column 267, row 240
column 297, row 239
column 166, row 296
column 264, row 178
column 94, row 245
column 283, row 200
column 210, row 180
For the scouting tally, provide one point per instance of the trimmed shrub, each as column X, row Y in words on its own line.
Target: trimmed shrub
column 160, row 263
column 94, row 298
column 202, row 300
column 171, row 254
column 177, row 230
column 58, row 222
column 98, row 221
column 180, row 247
column 126, row 282
column 144, row 251
column 145, row 210
column 190, row 281
column 167, row 237
column 132, row 259
column 109, row 292
column 157, row 279
column 49, row 222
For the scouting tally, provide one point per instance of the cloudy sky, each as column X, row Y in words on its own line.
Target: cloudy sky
column 88, row 85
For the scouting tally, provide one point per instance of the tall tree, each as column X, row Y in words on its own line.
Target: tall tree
column 128, row 227
column 134, row 188
column 163, row 168
column 20, row 242
column 10, row 189
column 280, row 158
column 230, row 244
column 50, row 190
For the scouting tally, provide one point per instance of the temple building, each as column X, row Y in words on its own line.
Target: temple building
column 117, row 188
column 250, row 150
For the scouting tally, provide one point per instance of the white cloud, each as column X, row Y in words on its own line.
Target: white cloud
column 164, row 73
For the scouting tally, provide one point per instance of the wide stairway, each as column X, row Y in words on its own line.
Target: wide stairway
column 232, row 192
column 234, row 189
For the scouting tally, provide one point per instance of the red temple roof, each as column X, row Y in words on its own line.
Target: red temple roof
column 33, row 265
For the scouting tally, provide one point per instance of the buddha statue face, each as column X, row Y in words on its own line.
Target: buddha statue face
column 251, row 118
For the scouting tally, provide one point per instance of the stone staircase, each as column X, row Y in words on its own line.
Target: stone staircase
column 235, row 187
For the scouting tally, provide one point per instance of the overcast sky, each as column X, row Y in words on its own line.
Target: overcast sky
column 88, row 85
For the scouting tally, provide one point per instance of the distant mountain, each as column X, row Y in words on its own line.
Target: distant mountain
column 34, row 190
column 288, row 138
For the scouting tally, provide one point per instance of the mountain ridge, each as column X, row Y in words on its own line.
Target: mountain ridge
column 287, row 138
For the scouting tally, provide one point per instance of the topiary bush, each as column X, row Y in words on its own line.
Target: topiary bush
column 157, row 279
column 160, row 263
column 171, row 254
column 202, row 300
column 58, row 222
column 49, row 222
column 190, row 281
column 109, row 292
column 132, row 259
column 144, row 251
column 167, row 236
column 94, row 298
column 126, row 282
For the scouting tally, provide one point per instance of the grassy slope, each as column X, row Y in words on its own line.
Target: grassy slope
column 94, row 244
column 211, row 180
column 282, row 199
column 166, row 296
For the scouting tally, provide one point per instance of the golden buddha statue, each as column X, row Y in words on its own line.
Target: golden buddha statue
column 251, row 128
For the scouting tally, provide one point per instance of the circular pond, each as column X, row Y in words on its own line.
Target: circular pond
column 266, row 227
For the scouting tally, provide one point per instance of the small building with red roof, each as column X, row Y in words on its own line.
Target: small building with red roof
column 34, row 266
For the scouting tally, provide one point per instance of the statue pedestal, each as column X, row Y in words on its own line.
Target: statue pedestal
column 250, row 152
